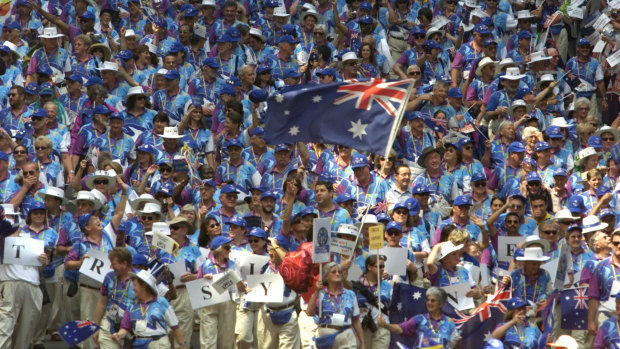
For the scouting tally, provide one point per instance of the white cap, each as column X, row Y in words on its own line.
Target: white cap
column 109, row 66
column 349, row 56
column 148, row 278
column 50, row 33
column 171, row 132
column 347, row 229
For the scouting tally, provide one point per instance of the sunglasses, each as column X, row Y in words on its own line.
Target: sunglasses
column 100, row 181
column 451, row 2
column 29, row 173
column 480, row 184
column 20, row 152
column 165, row 169
column 381, row 266
column 608, row 139
column 469, row 147
column 40, row 148
column 419, row 36
column 393, row 233
column 254, row 241
column 615, row 243
column 214, row 225
column 550, row 232
column 534, row 184
column 412, row 73
column 13, row 94
column 139, row 98
column 148, row 218
column 401, row 211
column 351, row 64
column 390, row 159
column 37, row 118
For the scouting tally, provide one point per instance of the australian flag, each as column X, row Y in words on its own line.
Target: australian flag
column 361, row 114
column 574, row 304
column 74, row 332
column 407, row 301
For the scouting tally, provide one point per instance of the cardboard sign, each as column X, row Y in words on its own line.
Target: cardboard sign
column 575, row 12
column 558, row 267
column 202, row 294
column 177, row 269
column 179, row 165
column 613, row 61
column 228, row 280
column 321, row 236
column 163, row 242
column 238, row 256
column 396, row 260
column 265, row 288
column 252, row 264
column 94, row 268
column 456, row 296
column 375, row 237
column 506, row 246
column 598, row 48
column 23, row 251
column 355, row 272
column 601, row 21
column 342, row 246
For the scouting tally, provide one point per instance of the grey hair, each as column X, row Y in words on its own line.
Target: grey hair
column 322, row 27
column 582, row 100
column 592, row 242
column 440, row 293
column 549, row 223
column 326, row 269
column 440, row 83
column 504, row 124
column 244, row 67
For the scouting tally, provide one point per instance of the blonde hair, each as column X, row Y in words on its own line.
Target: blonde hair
column 529, row 131
column 584, row 127
column 458, row 237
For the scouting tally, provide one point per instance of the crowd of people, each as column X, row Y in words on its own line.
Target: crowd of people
column 127, row 119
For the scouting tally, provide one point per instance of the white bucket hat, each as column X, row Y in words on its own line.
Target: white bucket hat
column 148, row 278
column 200, row 30
column 559, row 122
column 135, row 91
column 11, row 46
column 504, row 63
column 113, row 66
column 88, row 196
column 53, row 191
column 545, row 78
column 513, row 73
column 144, row 198
column 347, row 229
column 99, row 196
column 311, row 12
column 535, row 239
column 447, row 248
column 607, row 129
column 258, row 33
column 586, row 153
column 483, row 63
column 171, row 132
column 516, row 104
column 152, row 49
column 51, row 33
column 368, row 219
column 110, row 175
column 9, row 209
column 524, row 14
column 149, row 208
column 564, row 214
column 159, row 227
column 538, row 57
column 533, row 254
column 349, row 56
column 208, row 3
column 280, row 12
column 131, row 32
column 564, row 341
column 591, row 224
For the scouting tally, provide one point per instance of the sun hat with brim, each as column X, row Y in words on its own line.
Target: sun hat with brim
column 51, row 33
column 426, row 152
column 447, row 248
column 559, row 122
column 483, row 63
column 564, row 215
column 131, row 32
column 280, row 12
column 86, row 195
column 607, row 129
column 107, row 53
column 110, row 175
column 591, row 224
column 368, row 219
column 151, row 208
column 347, row 229
column 143, row 199
column 147, row 278
column 586, row 153
column 533, row 254
column 434, row 30
column 171, row 132
column 545, row 78
column 313, row 13
column 160, row 228
column 135, row 91
column 535, row 239
column 349, row 56
column 564, row 341
column 53, row 192
column 517, row 104
column 538, row 57
column 524, row 14
column 513, row 73
column 182, row 220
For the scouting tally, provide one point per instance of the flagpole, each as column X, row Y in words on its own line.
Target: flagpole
column 321, row 283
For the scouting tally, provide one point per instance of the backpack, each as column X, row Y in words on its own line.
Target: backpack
column 297, row 269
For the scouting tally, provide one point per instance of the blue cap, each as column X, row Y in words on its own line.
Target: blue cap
column 488, row 41
column 88, row 15
column 235, row 142
column 238, row 221
column 560, row 172
column 431, row 44
column 219, row 241
column 420, row 189
column 262, row 68
column 394, row 225
column 289, row 29
column 415, row 115
column 225, row 38
column 533, row 177
column 39, row 113
column 257, row 131
column 583, row 42
column 575, row 204
column 326, row 177
column 463, row 141
column 482, row 29
column 329, row 71
column 606, row 212
column 13, row 25
column 258, row 95
column 271, row 3
column 573, row 227
column 172, row 75
column 366, row 19
column 418, row 30
column 283, row 242
column 382, row 217
column 229, row 189
column 519, row 252
column 120, row 116
column 93, row 80
column 176, row 47
column 365, row 5
column 516, row 147
column 554, row 132
column 227, row 89
column 309, row 211
column 32, row 88
column 602, row 190
column 208, row 182
column 400, row 205
column 166, row 189
column 281, row 147
column 190, row 12
column 37, row 205
column 478, row 176
column 139, row 259
column 288, row 39
column 4, row 156
column 83, row 220
column 234, row 81
column 515, row 303
column 413, row 205
column 197, row 101
column 258, row 232
column 344, row 197
column 45, row 69
column 488, row 21
column 462, row 200
column 77, row 77
column 529, row 161
column 524, row 34
column 101, row 109
column 541, row 146
column 234, row 34
column 212, row 62
column 359, row 161
column 290, row 73
column 147, row 148
column 595, row 142
column 124, row 55
column 269, row 194
column 521, row 92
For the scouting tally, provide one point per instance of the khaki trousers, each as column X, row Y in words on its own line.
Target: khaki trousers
column 20, row 307
column 245, row 326
column 88, row 302
column 185, row 314
column 216, row 326
column 278, row 336
column 307, row 330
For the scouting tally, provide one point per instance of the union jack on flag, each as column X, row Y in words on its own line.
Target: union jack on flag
column 574, row 303
column 364, row 93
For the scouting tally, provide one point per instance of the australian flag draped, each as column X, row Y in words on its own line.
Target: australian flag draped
column 574, row 304
column 407, row 301
column 74, row 332
column 360, row 114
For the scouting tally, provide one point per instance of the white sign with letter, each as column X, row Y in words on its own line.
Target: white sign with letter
column 506, row 246
column 23, row 251
column 265, row 288
column 321, row 236
column 396, row 260
column 252, row 264
column 94, row 268
column 456, row 296
column 202, row 294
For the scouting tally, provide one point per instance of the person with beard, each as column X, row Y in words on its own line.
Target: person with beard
column 270, row 222
column 501, row 100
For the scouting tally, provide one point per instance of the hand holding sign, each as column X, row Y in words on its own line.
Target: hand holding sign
column 23, row 251
column 375, row 237
column 265, row 288
column 95, row 268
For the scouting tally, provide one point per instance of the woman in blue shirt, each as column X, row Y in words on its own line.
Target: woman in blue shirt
column 516, row 331
column 367, row 294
